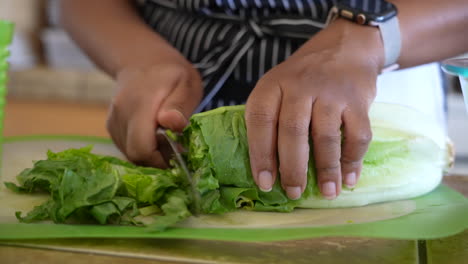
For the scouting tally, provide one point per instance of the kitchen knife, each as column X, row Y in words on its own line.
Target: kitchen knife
column 171, row 150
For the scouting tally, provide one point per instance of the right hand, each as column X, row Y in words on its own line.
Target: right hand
column 163, row 94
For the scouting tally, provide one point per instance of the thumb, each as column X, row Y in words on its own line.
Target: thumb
column 173, row 119
column 179, row 105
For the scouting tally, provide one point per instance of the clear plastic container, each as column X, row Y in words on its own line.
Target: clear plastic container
column 459, row 67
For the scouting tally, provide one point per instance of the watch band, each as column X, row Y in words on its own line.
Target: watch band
column 391, row 39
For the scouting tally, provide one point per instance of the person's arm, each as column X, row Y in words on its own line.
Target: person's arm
column 156, row 85
column 324, row 91
column 432, row 30
column 112, row 34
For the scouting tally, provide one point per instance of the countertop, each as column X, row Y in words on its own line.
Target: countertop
column 30, row 117
column 66, row 118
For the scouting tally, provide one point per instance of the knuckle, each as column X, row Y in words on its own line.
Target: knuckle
column 350, row 162
column 329, row 169
column 117, row 101
column 362, row 138
column 263, row 160
column 328, row 107
column 124, row 102
column 320, row 137
column 294, row 127
column 260, row 116
column 266, row 81
column 186, row 100
column 296, row 172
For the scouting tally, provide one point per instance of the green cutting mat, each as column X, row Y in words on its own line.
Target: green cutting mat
column 441, row 213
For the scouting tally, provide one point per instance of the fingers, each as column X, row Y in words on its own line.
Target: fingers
column 181, row 102
column 293, row 143
column 131, row 120
column 326, row 138
column 261, row 117
column 357, row 136
column 129, row 125
column 141, row 144
column 115, row 128
column 133, row 116
column 278, row 125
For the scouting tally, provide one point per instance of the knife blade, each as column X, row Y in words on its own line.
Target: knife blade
column 170, row 150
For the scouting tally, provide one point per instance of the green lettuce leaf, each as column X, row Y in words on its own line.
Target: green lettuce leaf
column 90, row 188
column 406, row 158
column 222, row 171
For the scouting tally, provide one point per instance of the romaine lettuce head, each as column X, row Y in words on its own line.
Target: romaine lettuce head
column 406, row 158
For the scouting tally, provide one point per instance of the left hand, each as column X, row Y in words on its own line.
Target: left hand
column 324, row 89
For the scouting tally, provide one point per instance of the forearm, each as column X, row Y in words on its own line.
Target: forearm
column 432, row 30
column 112, row 34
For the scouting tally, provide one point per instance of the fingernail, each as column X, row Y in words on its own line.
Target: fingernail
column 329, row 190
column 350, row 179
column 293, row 192
column 265, row 181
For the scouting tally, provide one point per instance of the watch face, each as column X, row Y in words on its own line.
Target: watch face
column 374, row 10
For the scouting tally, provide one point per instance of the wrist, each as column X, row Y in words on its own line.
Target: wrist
column 147, row 54
column 155, row 59
column 361, row 44
column 364, row 42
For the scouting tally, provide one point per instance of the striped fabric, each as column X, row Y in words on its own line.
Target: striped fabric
column 234, row 42
column 371, row 5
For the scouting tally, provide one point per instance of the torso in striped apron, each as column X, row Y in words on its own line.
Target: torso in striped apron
column 234, row 42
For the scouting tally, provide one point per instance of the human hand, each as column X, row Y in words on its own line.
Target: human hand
column 164, row 94
column 323, row 90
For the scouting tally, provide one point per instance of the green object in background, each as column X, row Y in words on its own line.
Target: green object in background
column 6, row 34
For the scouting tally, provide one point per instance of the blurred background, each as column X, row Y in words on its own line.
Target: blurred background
column 44, row 62
column 46, row 67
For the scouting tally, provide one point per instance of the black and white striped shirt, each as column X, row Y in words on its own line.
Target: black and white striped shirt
column 234, row 42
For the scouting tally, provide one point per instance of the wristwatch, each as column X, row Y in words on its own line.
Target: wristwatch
column 377, row 13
